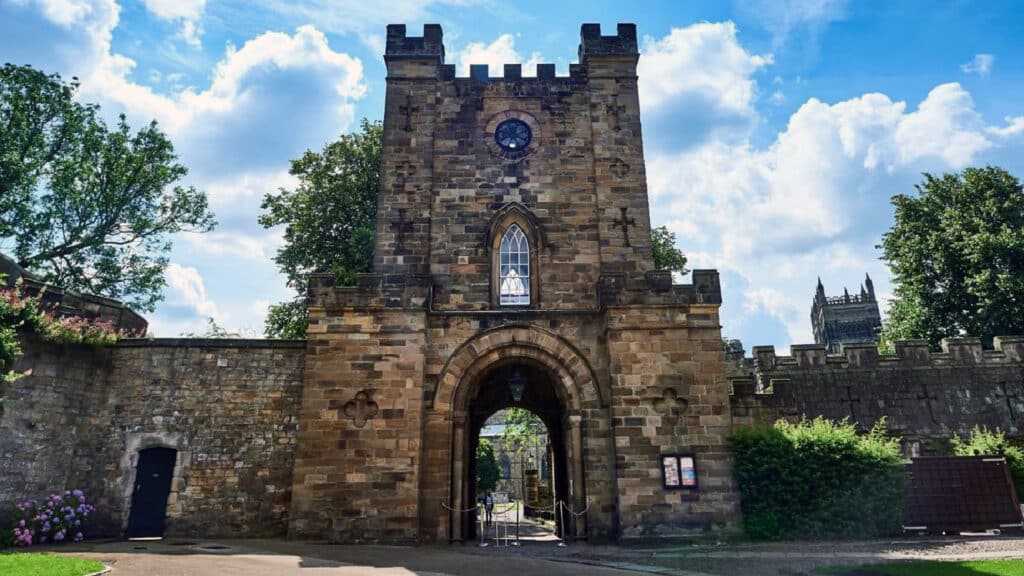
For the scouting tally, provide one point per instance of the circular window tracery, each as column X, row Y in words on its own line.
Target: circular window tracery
column 513, row 135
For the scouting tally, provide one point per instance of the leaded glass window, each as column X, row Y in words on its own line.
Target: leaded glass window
column 514, row 268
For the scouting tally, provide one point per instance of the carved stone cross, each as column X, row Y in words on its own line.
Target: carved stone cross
column 619, row 168
column 670, row 404
column 614, row 111
column 928, row 401
column 1004, row 393
column 401, row 227
column 407, row 110
column 850, row 400
column 360, row 409
column 624, row 223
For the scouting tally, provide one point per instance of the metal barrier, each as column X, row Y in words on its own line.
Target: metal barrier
column 502, row 534
column 466, row 511
column 566, row 508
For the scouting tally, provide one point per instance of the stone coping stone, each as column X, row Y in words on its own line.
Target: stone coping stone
column 208, row 343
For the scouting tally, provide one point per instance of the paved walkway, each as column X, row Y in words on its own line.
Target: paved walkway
column 797, row 558
column 284, row 558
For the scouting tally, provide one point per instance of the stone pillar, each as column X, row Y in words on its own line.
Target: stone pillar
column 357, row 466
column 670, row 396
column 402, row 241
column 619, row 176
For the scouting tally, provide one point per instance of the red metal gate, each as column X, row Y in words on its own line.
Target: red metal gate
column 961, row 493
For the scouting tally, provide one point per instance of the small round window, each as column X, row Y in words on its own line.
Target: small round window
column 513, row 135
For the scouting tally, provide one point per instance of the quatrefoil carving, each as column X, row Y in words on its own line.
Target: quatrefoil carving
column 360, row 409
column 670, row 404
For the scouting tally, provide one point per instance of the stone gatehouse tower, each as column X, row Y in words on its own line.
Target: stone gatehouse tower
column 512, row 244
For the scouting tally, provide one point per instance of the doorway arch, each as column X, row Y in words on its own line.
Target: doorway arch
column 537, row 395
column 564, row 388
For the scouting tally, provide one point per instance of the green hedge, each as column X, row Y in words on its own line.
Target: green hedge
column 819, row 479
column 985, row 442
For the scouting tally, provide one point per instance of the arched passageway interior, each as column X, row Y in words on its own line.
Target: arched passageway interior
column 518, row 384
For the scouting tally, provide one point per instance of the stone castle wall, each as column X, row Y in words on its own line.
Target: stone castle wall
column 926, row 397
column 229, row 407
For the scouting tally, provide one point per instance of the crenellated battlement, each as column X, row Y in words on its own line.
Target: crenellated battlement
column 925, row 396
column 592, row 43
column 481, row 74
column 955, row 351
column 429, row 48
column 430, row 45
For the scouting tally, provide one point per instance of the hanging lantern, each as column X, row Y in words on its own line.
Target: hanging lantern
column 516, row 385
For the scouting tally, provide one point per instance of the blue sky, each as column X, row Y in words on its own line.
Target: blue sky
column 775, row 131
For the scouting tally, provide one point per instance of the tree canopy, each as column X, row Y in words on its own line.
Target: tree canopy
column 956, row 251
column 85, row 206
column 666, row 255
column 487, row 472
column 523, row 430
column 329, row 220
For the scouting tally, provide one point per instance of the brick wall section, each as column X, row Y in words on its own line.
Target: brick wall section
column 230, row 408
column 926, row 397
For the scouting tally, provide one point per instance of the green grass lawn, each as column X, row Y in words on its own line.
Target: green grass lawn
column 35, row 564
column 973, row 568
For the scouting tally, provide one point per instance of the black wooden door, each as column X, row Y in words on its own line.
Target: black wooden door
column 152, row 487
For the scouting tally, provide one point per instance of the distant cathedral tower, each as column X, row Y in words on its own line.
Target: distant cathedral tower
column 846, row 319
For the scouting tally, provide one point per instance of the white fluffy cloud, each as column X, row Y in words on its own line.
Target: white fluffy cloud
column 810, row 202
column 185, row 288
column 496, row 54
column 704, row 59
column 981, row 64
column 188, row 12
column 700, row 80
column 175, row 9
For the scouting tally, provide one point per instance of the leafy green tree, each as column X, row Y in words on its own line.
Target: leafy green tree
column 956, row 251
column 487, row 471
column 329, row 220
column 88, row 207
column 523, row 430
column 666, row 255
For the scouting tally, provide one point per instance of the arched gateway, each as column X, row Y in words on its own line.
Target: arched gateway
column 512, row 245
column 558, row 385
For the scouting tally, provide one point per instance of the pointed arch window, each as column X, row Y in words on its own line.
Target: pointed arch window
column 514, row 268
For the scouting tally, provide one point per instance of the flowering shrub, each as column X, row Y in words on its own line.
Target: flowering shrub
column 19, row 312
column 55, row 519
